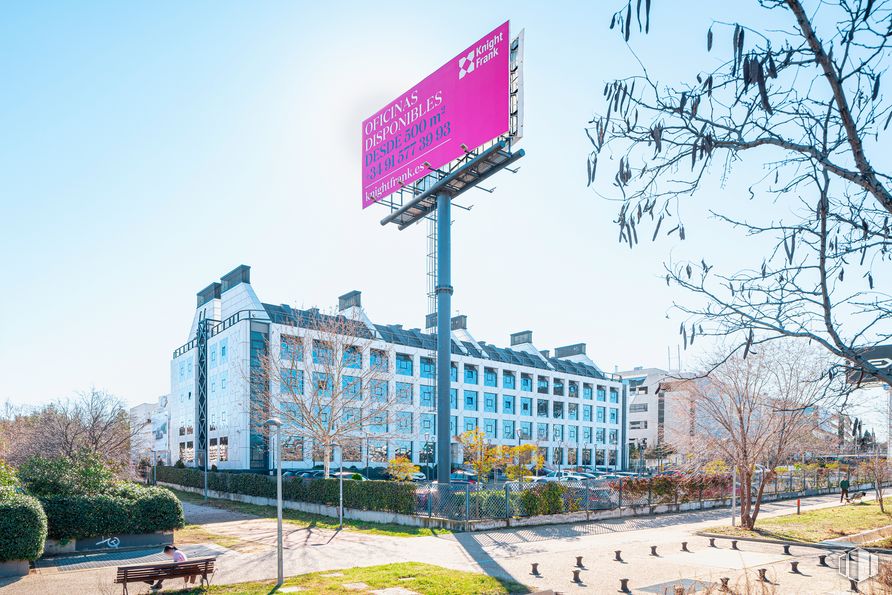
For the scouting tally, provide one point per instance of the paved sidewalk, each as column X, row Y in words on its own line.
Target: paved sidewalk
column 504, row 553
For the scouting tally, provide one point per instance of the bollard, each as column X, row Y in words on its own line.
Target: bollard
column 853, row 585
column 787, row 550
column 624, row 585
column 762, row 576
column 617, row 555
column 798, row 502
column 684, row 547
column 724, row 586
column 822, row 560
column 576, row 578
column 712, row 542
column 679, row 590
column 579, row 561
column 653, row 550
column 733, row 544
column 535, row 571
column 794, row 567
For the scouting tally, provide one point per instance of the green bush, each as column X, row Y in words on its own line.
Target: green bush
column 123, row 509
column 385, row 496
column 23, row 526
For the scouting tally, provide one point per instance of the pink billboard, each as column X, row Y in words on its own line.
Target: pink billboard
column 465, row 102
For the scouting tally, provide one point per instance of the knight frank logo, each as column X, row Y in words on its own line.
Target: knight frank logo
column 466, row 65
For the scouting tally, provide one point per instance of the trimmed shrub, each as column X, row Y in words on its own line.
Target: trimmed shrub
column 384, row 496
column 124, row 509
column 82, row 474
column 23, row 526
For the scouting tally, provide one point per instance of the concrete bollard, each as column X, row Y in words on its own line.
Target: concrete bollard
column 794, row 567
column 712, row 542
column 822, row 560
column 576, row 578
column 762, row 577
column 618, row 556
column 653, row 551
column 535, row 571
column 734, row 544
column 853, row 585
column 787, row 550
column 579, row 561
column 724, row 586
column 624, row 585
column 679, row 590
column 684, row 546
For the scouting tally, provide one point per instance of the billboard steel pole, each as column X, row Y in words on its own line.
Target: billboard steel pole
column 444, row 335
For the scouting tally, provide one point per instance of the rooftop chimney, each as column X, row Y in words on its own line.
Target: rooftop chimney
column 459, row 322
column 211, row 292
column 350, row 299
column 570, row 350
column 521, row 338
column 545, row 353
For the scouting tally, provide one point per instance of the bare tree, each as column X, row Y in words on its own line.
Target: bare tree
column 799, row 103
column 878, row 470
column 329, row 382
column 756, row 413
column 93, row 422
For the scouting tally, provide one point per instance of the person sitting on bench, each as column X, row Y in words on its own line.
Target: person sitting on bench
column 177, row 556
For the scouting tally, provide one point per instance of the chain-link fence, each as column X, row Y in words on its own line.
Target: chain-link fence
column 467, row 502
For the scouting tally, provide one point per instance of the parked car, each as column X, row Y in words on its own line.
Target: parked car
column 463, row 477
column 312, row 474
column 419, row 476
column 349, row 475
column 558, row 476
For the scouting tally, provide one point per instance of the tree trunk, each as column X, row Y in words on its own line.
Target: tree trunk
column 763, row 480
column 326, row 458
column 746, row 493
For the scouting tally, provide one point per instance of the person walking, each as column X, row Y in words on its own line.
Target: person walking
column 843, row 489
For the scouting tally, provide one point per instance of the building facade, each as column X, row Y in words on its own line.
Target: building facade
column 647, row 406
column 564, row 403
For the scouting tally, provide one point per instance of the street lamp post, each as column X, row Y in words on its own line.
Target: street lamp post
column 276, row 423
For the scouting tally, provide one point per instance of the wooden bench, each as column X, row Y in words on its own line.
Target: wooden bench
column 162, row 571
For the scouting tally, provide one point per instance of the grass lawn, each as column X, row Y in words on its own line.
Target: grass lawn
column 305, row 519
column 422, row 578
column 817, row 525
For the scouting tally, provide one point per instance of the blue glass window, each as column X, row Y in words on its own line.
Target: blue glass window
column 526, row 383
column 404, row 364
column 587, row 435
column 526, row 428
column 453, row 398
column 587, row 391
column 599, row 414
column 470, row 400
column 293, row 381
column 572, row 433
column 614, row 415
column 428, row 423
column 613, row 436
column 453, row 425
column 352, row 357
column 404, row 392
column 572, row 411
column 351, row 386
column 557, row 409
column 491, row 428
column 428, row 369
column 453, row 372
column 470, row 424
column 426, row 395
column 321, row 353
column 558, row 386
column 490, row 402
column 490, row 377
column 322, row 384
column 573, row 388
column 404, row 422
column 508, row 379
column 542, row 385
column 541, row 408
column 602, row 394
column 507, row 404
column 378, row 360
column 599, row 436
column 586, row 413
column 526, row 406
column 378, row 423
column 614, row 395
column 508, row 430
column 557, row 433
column 542, row 431
column 378, row 390
column 470, row 374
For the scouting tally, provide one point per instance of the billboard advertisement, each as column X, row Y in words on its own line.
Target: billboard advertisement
column 464, row 102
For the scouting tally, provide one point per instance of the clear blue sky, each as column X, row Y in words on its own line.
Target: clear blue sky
column 149, row 148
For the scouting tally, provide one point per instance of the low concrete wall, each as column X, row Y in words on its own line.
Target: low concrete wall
column 863, row 537
column 372, row 516
column 14, row 568
column 55, row 547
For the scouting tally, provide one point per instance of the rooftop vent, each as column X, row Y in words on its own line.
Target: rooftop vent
column 459, row 322
column 521, row 338
column 211, row 292
column 350, row 299
column 570, row 350
column 545, row 353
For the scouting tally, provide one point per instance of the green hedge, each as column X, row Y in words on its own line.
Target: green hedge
column 125, row 509
column 22, row 526
column 385, row 496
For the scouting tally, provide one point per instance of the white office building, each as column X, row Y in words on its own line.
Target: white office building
column 563, row 403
